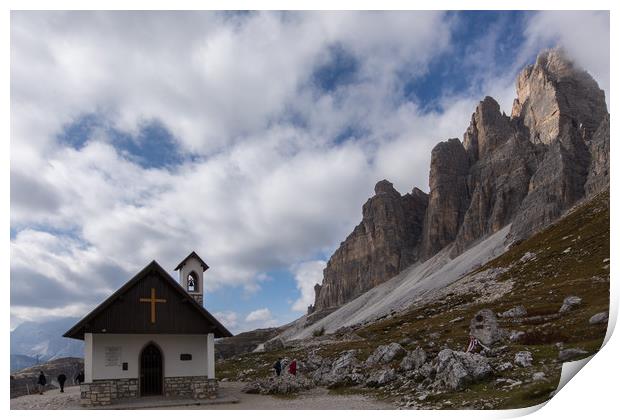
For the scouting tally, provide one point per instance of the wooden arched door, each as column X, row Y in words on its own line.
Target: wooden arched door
column 151, row 371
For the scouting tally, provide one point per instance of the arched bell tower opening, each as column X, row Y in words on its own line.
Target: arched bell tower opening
column 192, row 282
column 191, row 273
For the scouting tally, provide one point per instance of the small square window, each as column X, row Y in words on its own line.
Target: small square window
column 125, row 366
column 186, row 356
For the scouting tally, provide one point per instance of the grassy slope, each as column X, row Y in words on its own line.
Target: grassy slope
column 540, row 285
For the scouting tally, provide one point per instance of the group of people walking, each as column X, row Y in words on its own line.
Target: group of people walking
column 61, row 378
column 292, row 367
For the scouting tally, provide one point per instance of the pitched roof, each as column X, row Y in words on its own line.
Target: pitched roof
column 197, row 311
column 193, row 254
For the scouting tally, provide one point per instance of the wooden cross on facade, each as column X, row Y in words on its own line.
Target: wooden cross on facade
column 153, row 301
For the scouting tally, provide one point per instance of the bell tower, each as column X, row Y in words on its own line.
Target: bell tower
column 191, row 271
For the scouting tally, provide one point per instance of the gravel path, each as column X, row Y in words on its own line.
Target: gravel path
column 315, row 399
column 50, row 400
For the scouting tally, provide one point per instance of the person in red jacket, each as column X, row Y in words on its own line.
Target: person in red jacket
column 292, row 368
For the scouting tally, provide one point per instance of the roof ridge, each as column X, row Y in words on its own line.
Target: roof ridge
column 74, row 332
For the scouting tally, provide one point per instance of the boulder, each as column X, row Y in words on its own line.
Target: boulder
column 385, row 354
column 523, row 359
column 570, row 303
column 287, row 384
column 505, row 366
column 426, row 371
column 345, row 363
column 516, row 312
column 343, row 371
column 313, row 361
column 413, row 360
column 527, row 257
column 406, row 341
column 456, row 369
column 600, row 318
column 274, row 344
column 381, row 378
column 571, row 354
column 538, row 376
column 483, row 326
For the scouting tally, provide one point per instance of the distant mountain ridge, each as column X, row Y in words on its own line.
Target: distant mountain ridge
column 522, row 170
column 43, row 341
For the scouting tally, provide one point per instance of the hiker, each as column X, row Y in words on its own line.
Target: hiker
column 61, row 381
column 41, row 382
column 278, row 366
column 79, row 378
column 292, row 368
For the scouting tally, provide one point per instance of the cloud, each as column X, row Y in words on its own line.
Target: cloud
column 32, row 195
column 275, row 128
column 257, row 170
column 307, row 274
column 229, row 319
column 262, row 314
column 583, row 34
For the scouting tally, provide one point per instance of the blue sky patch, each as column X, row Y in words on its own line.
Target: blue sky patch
column 340, row 70
column 277, row 294
column 482, row 42
column 153, row 147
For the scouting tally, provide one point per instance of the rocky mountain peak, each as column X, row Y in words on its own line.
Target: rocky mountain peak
column 555, row 96
column 524, row 170
column 419, row 194
column 488, row 128
column 385, row 186
column 385, row 242
column 448, row 198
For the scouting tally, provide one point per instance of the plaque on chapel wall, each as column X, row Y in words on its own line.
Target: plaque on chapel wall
column 112, row 356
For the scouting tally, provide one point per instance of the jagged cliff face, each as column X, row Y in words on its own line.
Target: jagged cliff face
column 384, row 243
column 553, row 96
column 561, row 107
column 526, row 169
column 449, row 195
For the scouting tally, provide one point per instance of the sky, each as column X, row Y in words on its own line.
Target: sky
column 251, row 138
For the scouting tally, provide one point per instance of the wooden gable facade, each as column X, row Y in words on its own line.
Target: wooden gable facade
column 152, row 302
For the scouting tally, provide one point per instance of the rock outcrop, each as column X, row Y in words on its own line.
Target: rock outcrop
column 381, row 246
column 385, row 354
column 456, row 369
column 525, row 170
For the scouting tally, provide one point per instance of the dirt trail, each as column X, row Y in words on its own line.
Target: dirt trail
column 315, row 399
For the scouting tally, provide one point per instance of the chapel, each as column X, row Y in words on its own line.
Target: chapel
column 152, row 336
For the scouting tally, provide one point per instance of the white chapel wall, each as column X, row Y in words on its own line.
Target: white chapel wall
column 88, row 357
column 171, row 345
